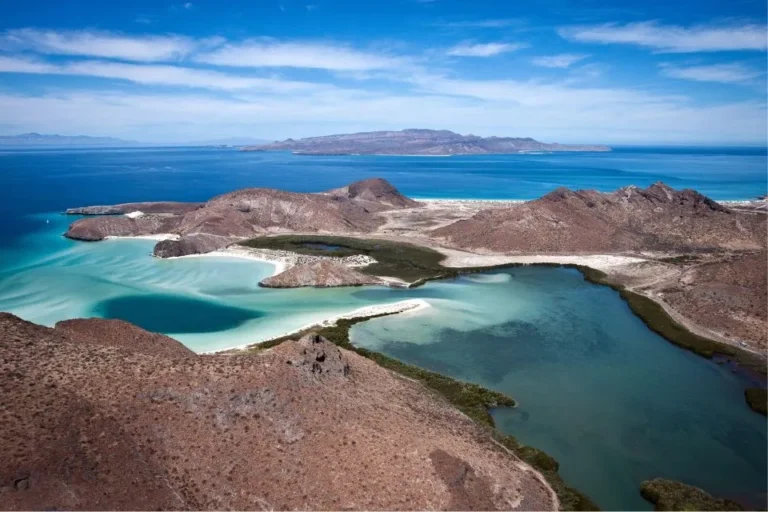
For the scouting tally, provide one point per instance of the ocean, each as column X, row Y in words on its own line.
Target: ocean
column 611, row 400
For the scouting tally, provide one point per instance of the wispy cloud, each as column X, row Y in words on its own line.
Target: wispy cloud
column 157, row 75
column 489, row 23
column 483, row 50
column 735, row 73
column 268, row 53
column 98, row 44
column 672, row 38
column 563, row 60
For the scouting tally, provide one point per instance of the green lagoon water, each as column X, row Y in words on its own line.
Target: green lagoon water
column 612, row 401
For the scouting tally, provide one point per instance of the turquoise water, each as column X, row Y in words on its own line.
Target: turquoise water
column 613, row 402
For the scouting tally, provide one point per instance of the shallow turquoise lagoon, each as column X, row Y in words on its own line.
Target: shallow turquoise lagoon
column 612, row 401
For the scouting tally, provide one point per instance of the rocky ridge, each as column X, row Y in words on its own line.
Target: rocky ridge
column 658, row 218
column 244, row 213
column 416, row 142
column 92, row 422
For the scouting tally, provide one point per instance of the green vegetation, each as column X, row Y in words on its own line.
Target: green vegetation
column 757, row 399
column 659, row 321
column 570, row 498
column 471, row 399
column 672, row 495
column 394, row 259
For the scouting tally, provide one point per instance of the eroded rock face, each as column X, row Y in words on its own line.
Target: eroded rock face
column 94, row 420
column 658, row 218
column 320, row 274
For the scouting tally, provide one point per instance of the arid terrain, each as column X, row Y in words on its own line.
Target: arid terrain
column 98, row 414
column 704, row 262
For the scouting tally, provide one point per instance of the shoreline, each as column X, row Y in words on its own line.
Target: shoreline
column 394, row 308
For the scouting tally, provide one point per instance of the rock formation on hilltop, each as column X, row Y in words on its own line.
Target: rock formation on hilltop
column 98, row 414
column 416, row 142
column 657, row 218
column 245, row 213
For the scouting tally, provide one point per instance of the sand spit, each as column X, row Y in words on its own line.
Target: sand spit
column 403, row 306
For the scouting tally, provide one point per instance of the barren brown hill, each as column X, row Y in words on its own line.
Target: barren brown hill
column 657, row 218
column 93, row 424
column 248, row 212
column 728, row 295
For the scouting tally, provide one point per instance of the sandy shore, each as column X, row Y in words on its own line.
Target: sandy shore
column 404, row 306
column 459, row 259
column 159, row 237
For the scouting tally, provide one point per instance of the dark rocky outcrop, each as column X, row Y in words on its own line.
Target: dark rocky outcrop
column 658, row 218
column 672, row 495
column 416, row 142
column 378, row 193
column 320, row 274
column 100, row 415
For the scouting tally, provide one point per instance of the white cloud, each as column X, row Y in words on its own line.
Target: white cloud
column 672, row 38
column 99, row 44
column 735, row 73
column 156, row 75
column 268, row 53
column 483, row 50
column 563, row 60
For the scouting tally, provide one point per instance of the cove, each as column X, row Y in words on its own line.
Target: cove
column 612, row 401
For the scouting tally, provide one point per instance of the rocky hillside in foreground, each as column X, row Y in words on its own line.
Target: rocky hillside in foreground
column 416, row 142
column 99, row 414
column 244, row 213
column 658, row 218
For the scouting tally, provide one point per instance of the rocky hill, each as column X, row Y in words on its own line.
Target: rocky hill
column 321, row 274
column 657, row 218
column 245, row 213
column 92, row 422
column 416, row 142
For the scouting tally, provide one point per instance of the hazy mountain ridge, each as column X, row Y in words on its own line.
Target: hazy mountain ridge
column 417, row 142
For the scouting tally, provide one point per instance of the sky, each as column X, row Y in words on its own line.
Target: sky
column 592, row 71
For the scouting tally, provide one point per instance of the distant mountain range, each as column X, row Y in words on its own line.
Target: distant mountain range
column 37, row 139
column 416, row 142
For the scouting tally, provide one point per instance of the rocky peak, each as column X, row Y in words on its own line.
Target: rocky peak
column 319, row 357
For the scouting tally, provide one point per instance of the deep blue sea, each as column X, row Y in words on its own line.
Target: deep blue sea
column 51, row 180
column 611, row 400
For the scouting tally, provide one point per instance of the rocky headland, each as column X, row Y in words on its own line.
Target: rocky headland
column 322, row 273
column 98, row 414
column 246, row 213
column 416, row 142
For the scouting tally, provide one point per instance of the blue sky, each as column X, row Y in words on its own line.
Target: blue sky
column 629, row 72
